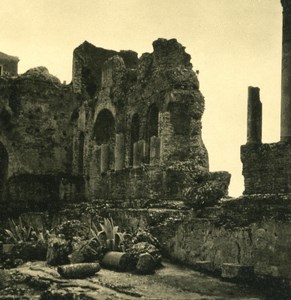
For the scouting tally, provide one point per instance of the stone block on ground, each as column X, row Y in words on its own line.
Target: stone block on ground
column 146, row 264
column 237, row 272
column 145, row 236
column 143, row 247
column 58, row 251
column 86, row 251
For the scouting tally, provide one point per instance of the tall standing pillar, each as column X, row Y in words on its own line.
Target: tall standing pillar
column 155, row 146
column 254, row 130
column 119, row 152
column 104, row 158
column 138, row 153
column 286, row 73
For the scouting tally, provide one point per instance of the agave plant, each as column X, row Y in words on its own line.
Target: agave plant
column 23, row 233
column 18, row 232
column 109, row 236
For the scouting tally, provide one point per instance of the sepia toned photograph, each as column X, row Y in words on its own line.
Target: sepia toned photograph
column 145, row 149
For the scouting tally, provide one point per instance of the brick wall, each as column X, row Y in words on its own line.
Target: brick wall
column 266, row 168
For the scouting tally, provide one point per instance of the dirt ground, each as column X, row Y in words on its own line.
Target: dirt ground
column 169, row 282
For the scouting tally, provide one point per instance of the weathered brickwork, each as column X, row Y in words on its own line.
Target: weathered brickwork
column 8, row 65
column 125, row 130
column 248, row 233
column 266, row 168
column 144, row 119
column 36, row 137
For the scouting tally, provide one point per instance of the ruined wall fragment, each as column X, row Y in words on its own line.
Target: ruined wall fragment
column 8, row 65
column 154, row 99
column 37, row 136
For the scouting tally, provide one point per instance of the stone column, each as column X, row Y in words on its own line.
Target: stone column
column 286, row 73
column 254, row 130
column 155, row 150
column 104, row 158
column 138, row 153
column 119, row 152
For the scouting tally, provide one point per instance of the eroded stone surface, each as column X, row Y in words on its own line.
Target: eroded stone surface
column 170, row 282
column 61, row 143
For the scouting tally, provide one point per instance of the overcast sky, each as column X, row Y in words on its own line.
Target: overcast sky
column 233, row 43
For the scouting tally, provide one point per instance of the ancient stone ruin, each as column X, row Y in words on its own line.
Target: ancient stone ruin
column 8, row 65
column 266, row 167
column 123, row 142
column 126, row 131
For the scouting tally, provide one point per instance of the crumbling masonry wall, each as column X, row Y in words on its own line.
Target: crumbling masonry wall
column 126, row 131
column 36, row 134
column 8, row 65
column 139, row 137
column 266, row 167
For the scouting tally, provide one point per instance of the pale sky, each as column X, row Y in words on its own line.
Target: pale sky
column 233, row 43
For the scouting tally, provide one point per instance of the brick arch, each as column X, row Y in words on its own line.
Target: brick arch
column 14, row 164
column 104, row 134
column 102, row 106
column 104, row 127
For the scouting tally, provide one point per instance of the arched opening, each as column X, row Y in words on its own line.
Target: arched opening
column 104, row 127
column 152, row 127
column 134, row 135
column 105, row 138
column 81, row 153
column 3, row 170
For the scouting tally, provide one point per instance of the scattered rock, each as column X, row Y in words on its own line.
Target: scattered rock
column 143, row 247
column 12, row 262
column 145, row 264
column 144, row 236
column 31, row 251
column 57, row 294
column 206, row 191
column 38, row 283
column 58, row 251
column 86, row 251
